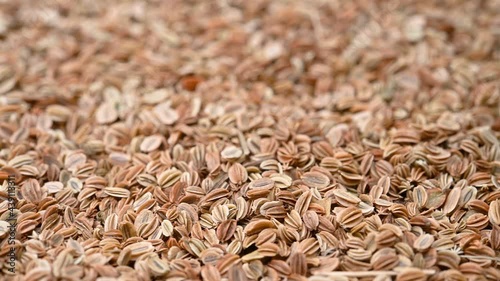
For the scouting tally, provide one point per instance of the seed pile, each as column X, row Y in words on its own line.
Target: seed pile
column 251, row 140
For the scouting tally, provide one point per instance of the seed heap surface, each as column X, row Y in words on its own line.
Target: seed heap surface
column 251, row 140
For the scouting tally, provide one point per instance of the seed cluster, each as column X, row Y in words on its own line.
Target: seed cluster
column 251, row 140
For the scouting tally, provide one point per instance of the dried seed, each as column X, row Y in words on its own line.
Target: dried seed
column 151, row 143
column 117, row 192
column 237, row 173
column 231, row 153
column 413, row 274
column 452, row 200
column 494, row 212
column 303, row 202
column 315, row 179
column 210, row 273
column 106, row 113
column 350, row 217
column 165, row 114
column 423, row 242
column 298, row 264
column 256, row 226
column 311, row 220
column 346, row 198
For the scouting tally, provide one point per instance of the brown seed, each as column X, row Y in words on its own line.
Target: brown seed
column 117, row 192
column 139, row 249
column 281, row 181
column 151, row 143
column 231, row 152
column 303, row 202
column 32, row 191
column 263, row 183
column 435, row 199
column 309, row 247
column 359, row 254
column 346, row 198
column 210, row 256
column 315, row 179
column 158, row 267
column 255, row 255
column 311, row 220
column 169, row 177
column 281, row 267
column 238, row 174
column 210, row 273
column 256, row 226
column 495, row 237
column 384, row 259
column 253, row 269
column 448, row 259
column 420, row 196
column 468, row 193
column 273, row 209
column 411, row 274
column 165, row 114
column 106, row 113
column 298, row 264
column 53, row 186
column 268, row 249
column 423, row 242
column 226, row 262
column 452, row 200
column 477, row 221
column 190, row 82
column 350, row 217
column 494, row 212
column 226, row 230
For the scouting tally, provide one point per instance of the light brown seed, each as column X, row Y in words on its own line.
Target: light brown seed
column 210, row 273
column 494, row 212
column 311, row 220
column 157, row 266
column 262, row 183
column 452, row 200
column 345, row 198
column 256, row 226
column 420, row 196
column 165, row 114
column 231, row 153
column 237, row 174
column 281, row 180
column 53, row 186
column 151, row 143
column 298, row 263
column 32, row 191
column 303, row 202
column 227, row 262
column 226, row 230
column 106, row 113
column 411, row 274
column 139, row 249
column 423, row 242
column 210, row 256
column 350, row 217
column 169, row 177
column 315, row 179
column 117, row 192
